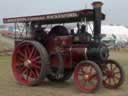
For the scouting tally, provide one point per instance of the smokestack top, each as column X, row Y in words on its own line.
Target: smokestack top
column 97, row 4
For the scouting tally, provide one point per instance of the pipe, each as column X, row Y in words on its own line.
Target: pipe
column 97, row 7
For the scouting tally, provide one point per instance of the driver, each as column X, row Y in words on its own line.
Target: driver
column 84, row 35
column 83, row 29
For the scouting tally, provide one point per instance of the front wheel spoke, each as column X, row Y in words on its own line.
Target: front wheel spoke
column 85, row 83
column 114, row 80
column 115, row 68
column 80, row 77
column 81, row 73
column 91, row 70
column 117, row 78
column 93, row 82
column 116, row 73
column 106, row 79
column 84, row 69
column 89, row 84
column 111, row 66
column 109, row 81
column 93, row 77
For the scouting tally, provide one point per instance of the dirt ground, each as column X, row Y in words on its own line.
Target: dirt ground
column 9, row 87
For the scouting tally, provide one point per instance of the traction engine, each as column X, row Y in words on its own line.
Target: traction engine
column 47, row 49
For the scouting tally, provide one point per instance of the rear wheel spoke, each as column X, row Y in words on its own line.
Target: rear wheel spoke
column 28, row 49
column 37, row 62
column 20, row 68
column 37, row 72
column 37, row 66
column 21, row 59
column 25, row 71
column 35, row 59
column 32, row 52
column 35, row 53
column 28, row 74
column 33, row 74
column 20, row 53
column 26, row 54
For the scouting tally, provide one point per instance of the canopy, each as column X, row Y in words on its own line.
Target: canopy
column 65, row 17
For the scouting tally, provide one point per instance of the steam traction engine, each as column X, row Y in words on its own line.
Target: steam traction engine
column 55, row 52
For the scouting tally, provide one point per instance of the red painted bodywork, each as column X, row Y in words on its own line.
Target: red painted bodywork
column 72, row 53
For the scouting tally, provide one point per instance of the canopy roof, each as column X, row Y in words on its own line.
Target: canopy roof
column 65, row 17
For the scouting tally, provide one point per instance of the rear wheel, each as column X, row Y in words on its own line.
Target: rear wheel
column 113, row 75
column 29, row 63
column 59, row 74
column 87, row 76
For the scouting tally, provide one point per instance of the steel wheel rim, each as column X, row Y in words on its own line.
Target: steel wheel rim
column 26, row 64
column 93, row 76
column 112, row 76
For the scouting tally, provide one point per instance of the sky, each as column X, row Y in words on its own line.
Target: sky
column 115, row 10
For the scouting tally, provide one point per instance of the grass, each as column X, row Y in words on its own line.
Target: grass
column 6, row 43
column 9, row 87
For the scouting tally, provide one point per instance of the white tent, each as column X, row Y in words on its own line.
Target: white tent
column 121, row 32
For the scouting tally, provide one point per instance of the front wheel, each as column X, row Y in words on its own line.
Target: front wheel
column 113, row 75
column 87, row 76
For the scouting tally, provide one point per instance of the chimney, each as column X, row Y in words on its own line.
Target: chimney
column 97, row 7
